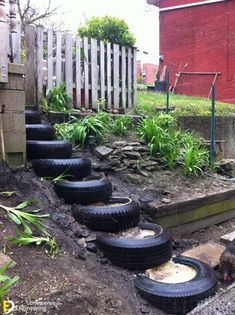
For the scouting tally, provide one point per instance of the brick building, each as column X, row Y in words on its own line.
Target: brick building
column 197, row 41
column 146, row 72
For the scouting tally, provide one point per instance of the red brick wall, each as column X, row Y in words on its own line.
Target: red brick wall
column 202, row 37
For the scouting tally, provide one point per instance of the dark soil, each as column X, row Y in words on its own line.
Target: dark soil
column 79, row 281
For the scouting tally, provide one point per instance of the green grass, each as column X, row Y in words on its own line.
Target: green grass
column 184, row 105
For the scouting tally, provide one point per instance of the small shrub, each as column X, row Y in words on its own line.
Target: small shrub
column 58, row 99
column 121, row 125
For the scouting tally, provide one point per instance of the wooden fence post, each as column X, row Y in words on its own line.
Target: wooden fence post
column 4, row 35
column 30, row 43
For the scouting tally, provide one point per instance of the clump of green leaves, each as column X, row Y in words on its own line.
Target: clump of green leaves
column 30, row 220
column 176, row 147
column 57, row 99
column 78, row 130
column 108, row 29
column 120, row 125
column 5, row 281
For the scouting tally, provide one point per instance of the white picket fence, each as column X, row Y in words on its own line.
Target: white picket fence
column 92, row 70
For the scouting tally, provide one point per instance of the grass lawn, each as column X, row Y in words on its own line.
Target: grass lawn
column 184, row 105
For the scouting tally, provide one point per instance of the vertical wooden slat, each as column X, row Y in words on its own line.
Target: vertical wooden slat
column 58, row 58
column 30, row 43
column 4, row 35
column 50, row 59
column 116, row 76
column 129, row 87
column 86, row 71
column 94, row 73
column 123, row 77
column 102, row 71
column 134, row 75
column 39, row 64
column 69, row 63
column 78, row 72
column 108, row 88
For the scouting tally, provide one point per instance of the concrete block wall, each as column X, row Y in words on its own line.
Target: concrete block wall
column 12, row 95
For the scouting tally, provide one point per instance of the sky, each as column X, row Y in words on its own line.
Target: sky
column 141, row 18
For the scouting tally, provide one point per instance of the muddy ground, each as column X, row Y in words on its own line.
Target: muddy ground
column 79, row 281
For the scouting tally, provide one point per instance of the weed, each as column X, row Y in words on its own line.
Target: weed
column 57, row 99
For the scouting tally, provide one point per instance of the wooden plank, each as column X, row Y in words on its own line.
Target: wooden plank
column 86, row 71
column 30, row 43
column 209, row 253
column 102, row 71
column 4, row 36
column 228, row 238
column 116, row 76
column 129, row 76
column 58, row 58
column 78, row 72
column 108, row 87
column 69, row 63
column 134, row 87
column 49, row 59
column 123, row 77
column 39, row 64
column 94, row 73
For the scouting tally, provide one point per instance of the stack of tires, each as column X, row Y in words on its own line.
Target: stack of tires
column 94, row 206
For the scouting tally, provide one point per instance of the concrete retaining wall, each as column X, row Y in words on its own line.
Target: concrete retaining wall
column 12, row 95
column 225, row 132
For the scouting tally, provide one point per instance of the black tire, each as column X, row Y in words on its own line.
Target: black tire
column 39, row 132
column 179, row 298
column 32, row 117
column 58, row 149
column 77, row 168
column 137, row 254
column 110, row 217
column 84, row 192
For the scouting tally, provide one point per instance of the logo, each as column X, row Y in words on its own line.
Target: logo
column 8, row 306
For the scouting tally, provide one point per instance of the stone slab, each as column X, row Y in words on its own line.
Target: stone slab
column 209, row 253
column 4, row 259
column 228, row 238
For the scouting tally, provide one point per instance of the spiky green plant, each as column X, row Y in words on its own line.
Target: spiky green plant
column 60, row 177
column 58, row 99
column 5, row 281
column 120, row 125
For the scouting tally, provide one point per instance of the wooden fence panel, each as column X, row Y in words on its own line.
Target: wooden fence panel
column 96, row 70
column 94, row 73
column 39, row 64
column 102, row 70
column 108, row 74
column 58, row 70
column 49, row 59
column 78, row 72
column 30, row 42
column 86, row 71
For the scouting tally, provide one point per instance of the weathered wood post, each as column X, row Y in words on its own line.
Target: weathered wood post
column 14, row 33
column 4, row 32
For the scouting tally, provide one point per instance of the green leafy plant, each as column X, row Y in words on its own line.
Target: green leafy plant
column 5, row 281
column 108, row 29
column 24, row 238
column 8, row 193
column 57, row 99
column 121, row 125
column 78, row 130
column 61, row 177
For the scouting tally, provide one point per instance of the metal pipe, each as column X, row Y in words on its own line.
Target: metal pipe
column 167, row 90
column 212, row 133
